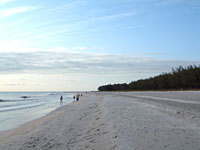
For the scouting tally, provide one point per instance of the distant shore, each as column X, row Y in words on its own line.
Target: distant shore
column 114, row 121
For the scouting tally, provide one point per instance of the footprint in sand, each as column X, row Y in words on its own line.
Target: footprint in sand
column 114, row 137
column 105, row 132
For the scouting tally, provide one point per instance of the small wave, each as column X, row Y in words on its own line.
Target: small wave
column 50, row 94
column 5, row 119
column 17, row 100
column 4, row 109
column 2, row 100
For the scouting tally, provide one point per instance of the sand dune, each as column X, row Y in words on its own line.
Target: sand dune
column 114, row 121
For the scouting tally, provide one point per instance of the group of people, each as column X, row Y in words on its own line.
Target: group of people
column 77, row 97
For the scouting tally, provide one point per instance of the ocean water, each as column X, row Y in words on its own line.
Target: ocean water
column 16, row 110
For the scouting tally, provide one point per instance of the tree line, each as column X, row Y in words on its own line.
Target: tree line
column 178, row 79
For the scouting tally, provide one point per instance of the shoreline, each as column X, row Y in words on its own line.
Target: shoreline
column 38, row 119
column 16, row 111
column 30, row 125
column 33, row 120
column 110, row 121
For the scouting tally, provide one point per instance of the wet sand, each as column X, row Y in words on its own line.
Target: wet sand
column 114, row 121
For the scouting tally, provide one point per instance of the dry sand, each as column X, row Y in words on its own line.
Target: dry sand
column 114, row 121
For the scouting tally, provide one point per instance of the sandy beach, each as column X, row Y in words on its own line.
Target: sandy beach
column 114, row 121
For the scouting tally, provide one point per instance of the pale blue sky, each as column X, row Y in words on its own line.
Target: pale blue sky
column 100, row 42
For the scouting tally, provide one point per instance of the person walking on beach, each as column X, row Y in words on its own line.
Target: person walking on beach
column 77, row 97
column 61, row 98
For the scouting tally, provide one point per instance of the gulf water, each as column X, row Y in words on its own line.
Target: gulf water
column 16, row 110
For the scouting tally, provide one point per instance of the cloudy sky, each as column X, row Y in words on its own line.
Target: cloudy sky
column 81, row 44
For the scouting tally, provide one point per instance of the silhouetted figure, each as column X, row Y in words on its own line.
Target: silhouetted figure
column 61, row 98
column 77, row 97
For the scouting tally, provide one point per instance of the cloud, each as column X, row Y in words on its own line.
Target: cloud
column 85, row 63
column 17, row 46
column 3, row 2
column 114, row 16
column 53, row 25
column 16, row 10
column 80, row 26
column 65, row 7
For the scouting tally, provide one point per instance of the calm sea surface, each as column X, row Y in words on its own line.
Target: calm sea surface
column 16, row 110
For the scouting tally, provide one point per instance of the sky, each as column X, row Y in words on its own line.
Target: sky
column 72, row 45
